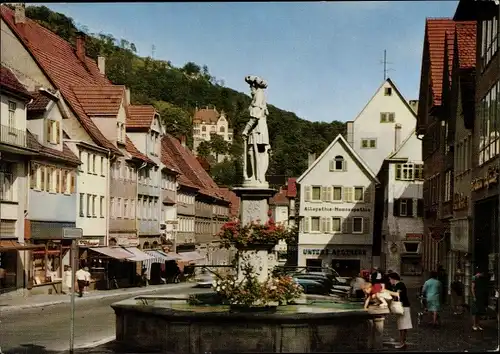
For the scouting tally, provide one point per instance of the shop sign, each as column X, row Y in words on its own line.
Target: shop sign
column 337, row 209
column 72, row 232
column 89, row 242
column 476, row 184
column 490, row 179
column 492, row 176
column 334, row 252
column 460, row 201
column 127, row 241
column 414, row 237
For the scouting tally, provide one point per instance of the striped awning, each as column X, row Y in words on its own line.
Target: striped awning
column 159, row 256
column 191, row 256
column 138, row 255
column 113, row 252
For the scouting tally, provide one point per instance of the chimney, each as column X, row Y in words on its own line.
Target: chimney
column 183, row 140
column 350, row 133
column 80, row 46
column 101, row 64
column 19, row 13
column 397, row 136
column 127, row 95
column 310, row 159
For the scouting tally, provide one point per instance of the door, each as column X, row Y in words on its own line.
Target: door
column 347, row 267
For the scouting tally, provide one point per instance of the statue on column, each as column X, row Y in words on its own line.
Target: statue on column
column 256, row 135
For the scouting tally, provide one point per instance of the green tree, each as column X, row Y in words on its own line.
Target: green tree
column 191, row 68
column 218, row 146
column 176, row 120
column 204, row 149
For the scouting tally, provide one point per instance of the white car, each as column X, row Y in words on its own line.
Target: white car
column 205, row 280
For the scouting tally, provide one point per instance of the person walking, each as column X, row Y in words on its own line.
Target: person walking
column 479, row 292
column 81, row 279
column 67, row 279
column 432, row 291
column 457, row 296
column 87, row 279
column 398, row 288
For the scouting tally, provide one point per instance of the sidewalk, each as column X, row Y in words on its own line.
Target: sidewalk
column 11, row 303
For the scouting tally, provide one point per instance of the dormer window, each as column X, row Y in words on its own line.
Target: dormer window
column 120, row 132
column 388, row 91
column 338, row 164
column 222, row 129
column 203, row 128
column 52, row 131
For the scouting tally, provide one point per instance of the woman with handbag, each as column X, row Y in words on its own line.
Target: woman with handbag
column 404, row 319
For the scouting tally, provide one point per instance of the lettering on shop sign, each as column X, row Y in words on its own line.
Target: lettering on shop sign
column 460, row 201
column 316, row 209
column 490, row 179
column 414, row 237
column 88, row 242
column 334, row 252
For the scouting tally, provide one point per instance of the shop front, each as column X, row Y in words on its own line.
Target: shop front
column 459, row 260
column 51, row 255
column 13, row 258
column 347, row 260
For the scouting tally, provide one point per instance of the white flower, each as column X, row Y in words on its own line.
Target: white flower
column 217, row 288
column 214, row 283
column 223, row 287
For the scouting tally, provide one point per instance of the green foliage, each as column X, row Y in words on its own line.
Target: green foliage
column 177, row 91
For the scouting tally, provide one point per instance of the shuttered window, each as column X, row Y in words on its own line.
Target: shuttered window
column 348, row 194
column 347, row 226
column 357, row 225
column 315, row 224
column 337, row 194
column 307, row 193
column 359, row 194
column 33, row 176
column 336, row 225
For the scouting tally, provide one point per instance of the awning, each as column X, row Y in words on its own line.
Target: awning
column 159, row 256
column 191, row 256
column 113, row 252
column 10, row 245
column 138, row 255
column 173, row 255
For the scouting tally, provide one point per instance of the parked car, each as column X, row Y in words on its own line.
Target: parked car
column 205, row 280
column 334, row 283
column 312, row 286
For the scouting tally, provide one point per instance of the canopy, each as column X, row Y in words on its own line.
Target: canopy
column 137, row 254
column 191, row 256
column 113, row 252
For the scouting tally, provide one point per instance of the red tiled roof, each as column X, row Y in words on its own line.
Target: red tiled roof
column 280, row 198
column 100, row 100
column 206, row 115
column 466, row 40
column 168, row 159
column 291, row 187
column 190, row 167
column 204, row 163
column 435, row 33
column 58, row 59
column 65, row 155
column 132, row 150
column 234, row 209
column 449, row 43
column 10, row 82
column 39, row 103
column 140, row 117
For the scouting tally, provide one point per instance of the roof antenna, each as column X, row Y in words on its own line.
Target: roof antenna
column 385, row 62
column 153, row 51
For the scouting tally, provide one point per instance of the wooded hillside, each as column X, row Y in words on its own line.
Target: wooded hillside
column 177, row 91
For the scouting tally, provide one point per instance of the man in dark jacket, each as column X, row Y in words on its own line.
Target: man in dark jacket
column 376, row 277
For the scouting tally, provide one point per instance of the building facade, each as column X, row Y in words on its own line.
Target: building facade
column 208, row 121
column 336, row 220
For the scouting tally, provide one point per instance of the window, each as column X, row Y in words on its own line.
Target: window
column 404, row 172
column 50, row 180
column 447, row 186
column 82, row 204
column 357, row 225
column 338, row 164
column 368, row 143
column 12, row 114
column 89, row 205
column 94, row 214
column 125, row 208
column 336, row 224
column 403, row 207
column 489, row 45
column 113, row 207
column 316, row 193
column 93, row 164
column 348, row 194
column 6, row 182
column 315, row 224
column 88, row 163
column 359, row 194
column 101, row 206
column 102, row 166
column 42, row 178
column 222, row 129
column 387, row 117
column 58, row 183
column 80, row 167
column 52, row 134
column 119, row 207
column 489, row 129
column 65, row 185
column 388, row 91
column 337, row 194
column 419, row 172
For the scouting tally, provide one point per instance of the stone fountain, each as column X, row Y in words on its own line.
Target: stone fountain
column 169, row 324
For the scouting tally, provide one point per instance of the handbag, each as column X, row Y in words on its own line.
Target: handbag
column 396, row 308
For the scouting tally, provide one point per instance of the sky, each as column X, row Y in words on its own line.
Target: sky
column 322, row 60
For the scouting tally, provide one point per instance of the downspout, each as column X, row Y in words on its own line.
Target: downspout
column 108, row 203
column 144, row 164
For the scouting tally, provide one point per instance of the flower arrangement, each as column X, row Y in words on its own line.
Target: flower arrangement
column 234, row 233
column 252, row 293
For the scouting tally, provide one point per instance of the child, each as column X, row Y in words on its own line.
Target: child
column 377, row 293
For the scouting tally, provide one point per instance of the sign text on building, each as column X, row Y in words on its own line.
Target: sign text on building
column 338, row 209
column 334, row 252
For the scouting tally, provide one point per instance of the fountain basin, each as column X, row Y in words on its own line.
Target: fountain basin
column 168, row 324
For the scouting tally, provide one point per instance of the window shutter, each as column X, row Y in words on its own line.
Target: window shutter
column 42, row 178
column 396, row 206
column 348, row 194
column 420, row 208
column 72, row 177
column 48, row 130
column 58, row 181
column 332, row 165
column 409, row 207
column 368, row 194
column 33, row 175
column 329, row 194
column 322, row 225
column 65, row 181
column 344, row 165
column 58, row 125
column 307, row 192
column 328, row 224
column 346, row 225
column 307, row 223
column 366, row 226
column 324, row 194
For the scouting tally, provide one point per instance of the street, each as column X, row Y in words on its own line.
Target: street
column 46, row 330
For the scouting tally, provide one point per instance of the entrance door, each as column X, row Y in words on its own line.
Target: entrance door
column 313, row 265
column 347, row 267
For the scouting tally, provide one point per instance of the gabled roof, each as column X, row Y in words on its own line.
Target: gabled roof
column 348, row 148
column 234, row 209
column 291, row 187
column 100, row 101
column 132, row 150
column 65, row 155
column 395, row 153
column 390, row 82
column 58, row 60
column 206, row 115
column 140, row 117
column 39, row 103
column 466, row 40
column 280, row 198
column 449, row 46
column 9, row 82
